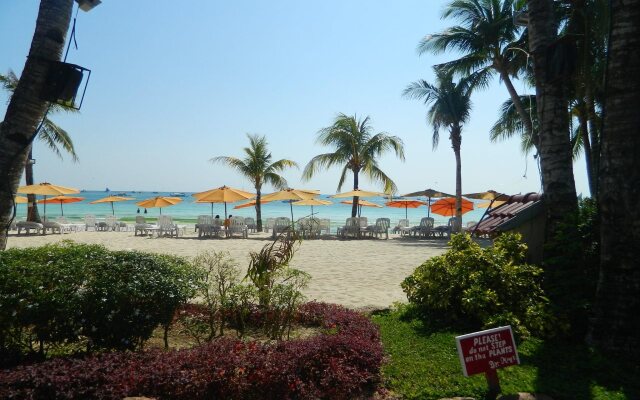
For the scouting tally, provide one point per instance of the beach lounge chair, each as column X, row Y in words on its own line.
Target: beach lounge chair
column 204, row 227
column 444, row 230
column 143, row 227
column 166, row 226
column 380, row 228
column 111, row 223
column 52, row 226
column 469, row 226
column 29, row 226
column 68, row 226
column 364, row 226
column 325, row 226
column 350, row 229
column 281, row 224
column 238, row 226
column 401, row 227
column 425, row 229
column 251, row 224
column 269, row 224
column 90, row 222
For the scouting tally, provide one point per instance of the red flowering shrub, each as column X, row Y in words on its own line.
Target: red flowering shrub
column 343, row 362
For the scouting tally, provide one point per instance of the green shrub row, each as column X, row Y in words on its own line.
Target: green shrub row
column 77, row 293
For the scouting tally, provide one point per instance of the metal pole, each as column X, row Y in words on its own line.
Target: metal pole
column 61, row 210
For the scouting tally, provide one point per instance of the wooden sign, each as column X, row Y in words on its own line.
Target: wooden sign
column 483, row 351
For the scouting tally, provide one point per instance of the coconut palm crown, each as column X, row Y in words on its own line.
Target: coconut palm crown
column 258, row 168
column 449, row 108
column 490, row 42
column 357, row 149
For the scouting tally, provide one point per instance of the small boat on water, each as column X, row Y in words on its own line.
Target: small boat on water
column 177, row 194
column 107, row 190
column 122, row 194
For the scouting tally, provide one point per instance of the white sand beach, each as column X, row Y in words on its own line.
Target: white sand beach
column 355, row 273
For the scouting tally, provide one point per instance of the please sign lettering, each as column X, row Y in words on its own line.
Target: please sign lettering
column 486, row 351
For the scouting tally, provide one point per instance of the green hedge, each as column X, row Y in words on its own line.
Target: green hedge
column 481, row 288
column 65, row 293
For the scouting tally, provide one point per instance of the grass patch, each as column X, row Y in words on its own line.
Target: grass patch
column 423, row 364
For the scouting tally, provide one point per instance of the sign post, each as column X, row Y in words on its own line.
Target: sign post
column 485, row 352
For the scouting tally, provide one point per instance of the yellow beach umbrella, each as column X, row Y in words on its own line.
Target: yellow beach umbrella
column 223, row 194
column 61, row 200
column 488, row 195
column 358, row 193
column 21, row 200
column 493, row 197
column 292, row 195
column 490, row 204
column 159, row 202
column 361, row 203
column 46, row 189
column 312, row 202
column 111, row 199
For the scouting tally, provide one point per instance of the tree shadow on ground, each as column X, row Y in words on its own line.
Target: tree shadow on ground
column 568, row 370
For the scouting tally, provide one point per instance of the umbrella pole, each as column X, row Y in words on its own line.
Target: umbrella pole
column 481, row 218
column 225, row 210
column 429, row 207
column 113, row 212
column 44, row 214
column 61, row 209
column 212, row 209
column 291, row 207
column 405, row 211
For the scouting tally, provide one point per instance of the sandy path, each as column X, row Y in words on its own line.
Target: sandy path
column 355, row 273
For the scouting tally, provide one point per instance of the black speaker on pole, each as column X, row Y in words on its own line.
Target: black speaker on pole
column 62, row 83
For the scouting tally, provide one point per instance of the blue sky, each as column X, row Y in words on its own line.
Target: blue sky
column 176, row 83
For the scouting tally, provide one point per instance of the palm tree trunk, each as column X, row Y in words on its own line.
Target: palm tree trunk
column 258, row 210
column 554, row 146
column 354, row 207
column 517, row 103
column 456, row 143
column 26, row 108
column 616, row 323
column 32, row 208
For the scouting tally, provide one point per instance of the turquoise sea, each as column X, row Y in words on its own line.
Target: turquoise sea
column 187, row 211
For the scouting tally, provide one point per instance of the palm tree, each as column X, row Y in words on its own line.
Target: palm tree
column 616, row 324
column 26, row 108
column 357, row 149
column 258, row 168
column 51, row 134
column 450, row 106
column 490, row 42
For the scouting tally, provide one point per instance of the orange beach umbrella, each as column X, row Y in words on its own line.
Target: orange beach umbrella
column 61, row 200
column 250, row 203
column 429, row 194
column 111, row 199
column 447, row 207
column 403, row 203
column 21, row 200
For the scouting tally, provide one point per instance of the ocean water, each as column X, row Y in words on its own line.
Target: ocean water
column 187, row 211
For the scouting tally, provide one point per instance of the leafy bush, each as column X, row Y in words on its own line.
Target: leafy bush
column 132, row 293
column 65, row 292
column 481, row 287
column 344, row 363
